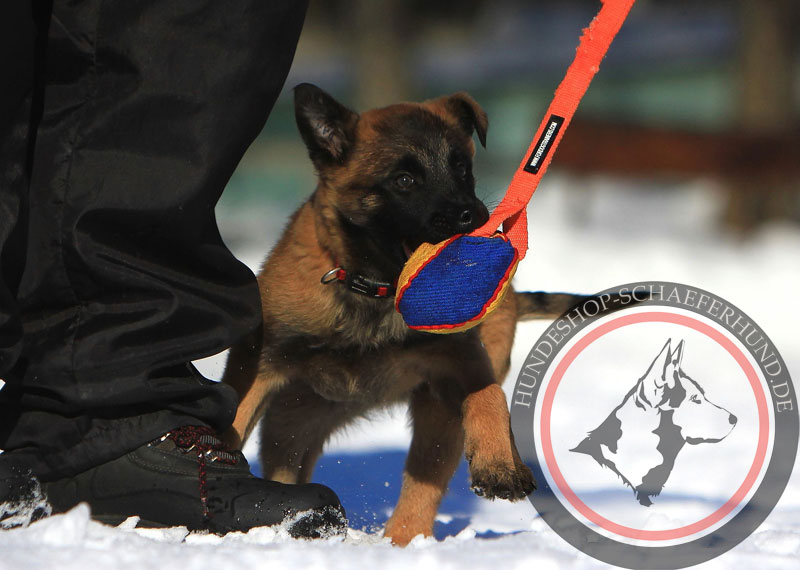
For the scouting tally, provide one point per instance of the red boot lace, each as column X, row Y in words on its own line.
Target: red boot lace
column 208, row 446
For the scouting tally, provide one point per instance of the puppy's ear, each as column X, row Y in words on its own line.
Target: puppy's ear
column 470, row 116
column 327, row 126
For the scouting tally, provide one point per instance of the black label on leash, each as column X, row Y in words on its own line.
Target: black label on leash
column 545, row 142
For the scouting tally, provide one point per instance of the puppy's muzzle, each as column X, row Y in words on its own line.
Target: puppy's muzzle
column 459, row 219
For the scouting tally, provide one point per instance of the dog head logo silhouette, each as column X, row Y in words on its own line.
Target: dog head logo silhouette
column 641, row 438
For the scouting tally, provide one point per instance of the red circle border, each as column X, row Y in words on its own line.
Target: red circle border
column 730, row 504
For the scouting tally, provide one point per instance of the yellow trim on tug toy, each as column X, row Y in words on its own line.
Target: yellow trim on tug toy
column 453, row 285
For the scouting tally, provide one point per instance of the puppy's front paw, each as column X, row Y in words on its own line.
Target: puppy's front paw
column 501, row 481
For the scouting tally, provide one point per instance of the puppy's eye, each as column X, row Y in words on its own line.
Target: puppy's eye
column 462, row 169
column 694, row 399
column 404, row 181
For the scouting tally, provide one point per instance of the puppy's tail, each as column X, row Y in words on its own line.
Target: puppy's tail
column 541, row 305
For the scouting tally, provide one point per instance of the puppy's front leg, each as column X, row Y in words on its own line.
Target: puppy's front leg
column 495, row 466
column 434, row 455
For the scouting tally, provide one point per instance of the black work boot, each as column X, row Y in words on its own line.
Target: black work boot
column 189, row 478
column 21, row 497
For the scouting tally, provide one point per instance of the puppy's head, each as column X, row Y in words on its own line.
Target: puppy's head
column 403, row 173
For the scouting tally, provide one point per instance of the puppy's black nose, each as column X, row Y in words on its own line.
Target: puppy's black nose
column 732, row 419
column 465, row 220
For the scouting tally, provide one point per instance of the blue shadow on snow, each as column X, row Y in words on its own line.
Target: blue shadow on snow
column 368, row 485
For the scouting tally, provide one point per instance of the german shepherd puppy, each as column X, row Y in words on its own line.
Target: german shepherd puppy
column 333, row 349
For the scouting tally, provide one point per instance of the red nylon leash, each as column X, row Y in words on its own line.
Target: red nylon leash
column 592, row 49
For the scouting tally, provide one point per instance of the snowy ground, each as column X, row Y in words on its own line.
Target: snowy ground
column 586, row 235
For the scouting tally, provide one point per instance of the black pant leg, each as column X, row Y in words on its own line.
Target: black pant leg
column 21, row 25
column 149, row 106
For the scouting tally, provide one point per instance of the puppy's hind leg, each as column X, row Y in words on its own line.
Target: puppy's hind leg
column 436, row 448
column 497, row 336
column 294, row 429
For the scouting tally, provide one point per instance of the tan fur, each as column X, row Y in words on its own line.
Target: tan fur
column 327, row 355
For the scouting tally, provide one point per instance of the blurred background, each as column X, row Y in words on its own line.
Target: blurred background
column 690, row 90
column 682, row 164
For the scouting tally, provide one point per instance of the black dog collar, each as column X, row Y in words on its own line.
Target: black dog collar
column 359, row 284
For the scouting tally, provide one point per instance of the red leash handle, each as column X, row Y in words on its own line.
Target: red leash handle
column 593, row 47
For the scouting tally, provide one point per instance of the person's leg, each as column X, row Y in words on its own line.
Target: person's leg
column 18, row 33
column 148, row 108
column 21, row 51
